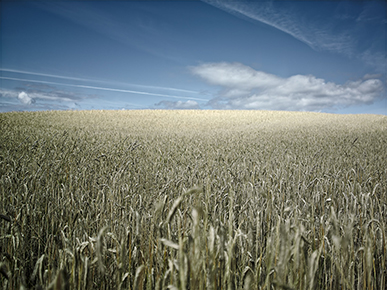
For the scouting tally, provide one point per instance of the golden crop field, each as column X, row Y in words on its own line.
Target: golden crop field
column 192, row 200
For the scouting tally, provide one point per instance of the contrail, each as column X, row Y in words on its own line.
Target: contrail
column 40, row 74
column 88, row 80
column 103, row 89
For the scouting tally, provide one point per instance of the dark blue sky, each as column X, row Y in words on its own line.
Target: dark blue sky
column 327, row 56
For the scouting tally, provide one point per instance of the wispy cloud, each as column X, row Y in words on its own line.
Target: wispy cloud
column 14, row 100
column 284, row 17
column 103, row 89
column 29, row 98
column 140, row 36
column 338, row 32
column 41, row 74
column 178, row 105
column 246, row 88
column 94, row 81
column 42, row 93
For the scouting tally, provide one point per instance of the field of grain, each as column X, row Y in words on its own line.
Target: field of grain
column 192, row 200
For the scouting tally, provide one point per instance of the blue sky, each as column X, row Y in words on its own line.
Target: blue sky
column 323, row 56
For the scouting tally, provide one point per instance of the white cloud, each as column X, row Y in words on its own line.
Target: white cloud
column 25, row 99
column 30, row 97
column 234, row 75
column 178, row 105
column 246, row 88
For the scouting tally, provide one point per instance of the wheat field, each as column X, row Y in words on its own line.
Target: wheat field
column 159, row 199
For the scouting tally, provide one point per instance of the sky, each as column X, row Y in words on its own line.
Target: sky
column 319, row 56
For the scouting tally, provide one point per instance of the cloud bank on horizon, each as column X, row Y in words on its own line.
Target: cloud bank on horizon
column 239, row 87
column 245, row 88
